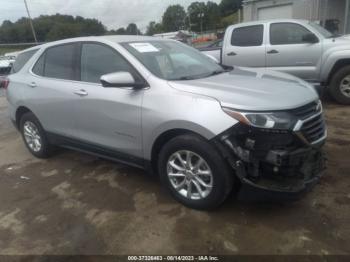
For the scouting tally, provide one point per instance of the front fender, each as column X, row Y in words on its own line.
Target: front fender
column 329, row 61
column 181, row 110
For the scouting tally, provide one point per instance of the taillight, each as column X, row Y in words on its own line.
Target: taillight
column 4, row 83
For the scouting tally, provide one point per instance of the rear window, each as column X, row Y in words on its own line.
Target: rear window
column 248, row 36
column 22, row 59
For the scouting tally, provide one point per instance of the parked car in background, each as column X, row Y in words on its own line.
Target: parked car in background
column 213, row 49
column 163, row 106
column 6, row 64
column 298, row 47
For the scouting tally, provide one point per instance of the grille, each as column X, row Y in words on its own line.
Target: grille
column 314, row 129
column 307, row 111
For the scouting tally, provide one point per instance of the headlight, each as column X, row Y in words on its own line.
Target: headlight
column 275, row 120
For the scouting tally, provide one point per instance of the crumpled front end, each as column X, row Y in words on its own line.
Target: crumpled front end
column 278, row 160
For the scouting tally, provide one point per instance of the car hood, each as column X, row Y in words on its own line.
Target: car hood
column 252, row 89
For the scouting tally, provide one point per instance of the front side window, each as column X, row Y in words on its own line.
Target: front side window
column 22, row 59
column 98, row 60
column 287, row 34
column 248, row 36
column 60, row 62
column 172, row 60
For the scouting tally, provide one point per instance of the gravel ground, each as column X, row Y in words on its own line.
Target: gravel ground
column 73, row 203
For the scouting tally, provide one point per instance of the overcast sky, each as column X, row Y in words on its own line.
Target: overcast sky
column 112, row 13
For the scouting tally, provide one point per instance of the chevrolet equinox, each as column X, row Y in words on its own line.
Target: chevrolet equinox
column 163, row 106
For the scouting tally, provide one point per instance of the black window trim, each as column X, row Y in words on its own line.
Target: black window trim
column 43, row 54
column 292, row 24
column 77, row 62
column 245, row 26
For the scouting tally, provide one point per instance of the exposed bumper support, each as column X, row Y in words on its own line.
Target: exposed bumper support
column 290, row 170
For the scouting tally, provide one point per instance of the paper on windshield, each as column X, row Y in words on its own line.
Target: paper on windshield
column 144, row 47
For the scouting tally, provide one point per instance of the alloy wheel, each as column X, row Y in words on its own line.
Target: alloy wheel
column 190, row 175
column 32, row 136
column 345, row 86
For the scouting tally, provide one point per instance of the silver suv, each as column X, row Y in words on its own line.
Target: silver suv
column 163, row 106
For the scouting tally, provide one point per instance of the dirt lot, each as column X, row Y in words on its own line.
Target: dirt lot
column 77, row 204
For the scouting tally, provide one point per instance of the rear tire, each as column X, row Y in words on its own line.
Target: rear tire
column 34, row 136
column 206, row 173
column 340, row 86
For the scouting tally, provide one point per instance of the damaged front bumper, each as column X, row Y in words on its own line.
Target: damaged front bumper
column 272, row 160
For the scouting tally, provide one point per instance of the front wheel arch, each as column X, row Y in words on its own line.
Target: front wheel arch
column 335, row 85
column 222, row 175
column 335, row 68
column 162, row 139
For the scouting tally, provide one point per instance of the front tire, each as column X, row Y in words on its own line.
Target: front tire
column 194, row 172
column 340, row 86
column 34, row 136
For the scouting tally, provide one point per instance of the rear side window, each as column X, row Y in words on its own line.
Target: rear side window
column 60, row 62
column 287, row 34
column 38, row 69
column 22, row 59
column 248, row 36
column 98, row 60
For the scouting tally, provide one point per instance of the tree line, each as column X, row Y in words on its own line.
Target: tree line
column 199, row 16
column 49, row 28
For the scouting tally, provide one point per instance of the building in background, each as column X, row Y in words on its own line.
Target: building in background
column 332, row 14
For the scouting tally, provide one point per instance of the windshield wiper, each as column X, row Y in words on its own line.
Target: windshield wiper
column 186, row 78
column 216, row 72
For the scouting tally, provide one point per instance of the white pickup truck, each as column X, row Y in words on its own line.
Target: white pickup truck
column 298, row 47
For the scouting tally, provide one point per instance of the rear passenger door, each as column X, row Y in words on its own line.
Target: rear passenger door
column 244, row 46
column 51, row 89
column 107, row 117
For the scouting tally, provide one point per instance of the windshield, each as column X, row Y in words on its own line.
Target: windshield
column 321, row 30
column 171, row 60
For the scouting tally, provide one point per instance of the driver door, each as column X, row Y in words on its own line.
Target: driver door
column 107, row 117
column 289, row 53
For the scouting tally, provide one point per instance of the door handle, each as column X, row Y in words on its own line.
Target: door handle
column 272, row 51
column 81, row 92
column 231, row 54
column 32, row 84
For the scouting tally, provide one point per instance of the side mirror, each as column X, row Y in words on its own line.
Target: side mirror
column 120, row 79
column 310, row 38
